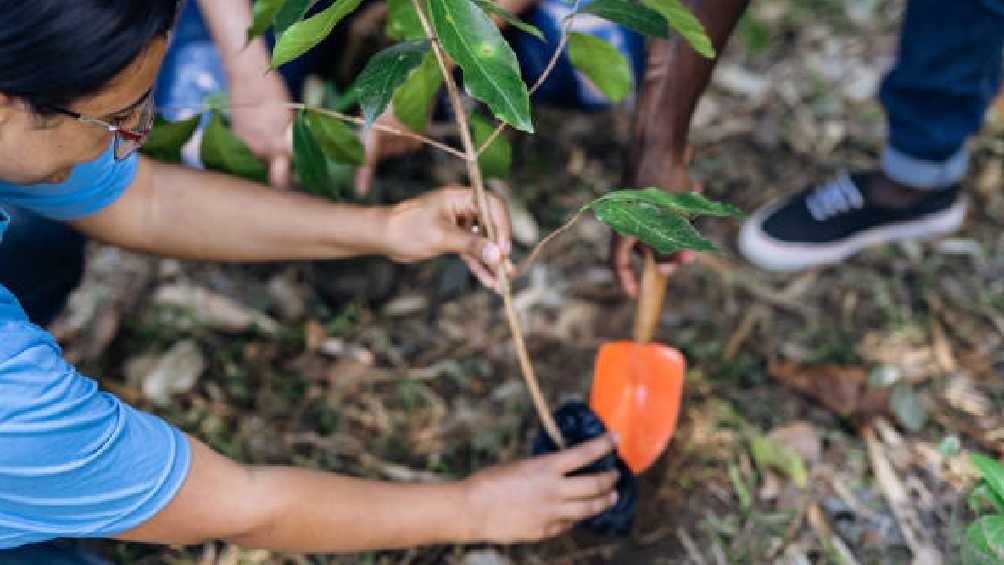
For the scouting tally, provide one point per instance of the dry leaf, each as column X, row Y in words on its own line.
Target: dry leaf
column 842, row 389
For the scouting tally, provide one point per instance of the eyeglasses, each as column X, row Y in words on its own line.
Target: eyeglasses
column 127, row 139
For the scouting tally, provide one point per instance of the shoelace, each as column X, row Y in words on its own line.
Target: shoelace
column 835, row 197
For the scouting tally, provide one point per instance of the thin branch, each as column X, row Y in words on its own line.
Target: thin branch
column 525, row 263
column 565, row 26
column 481, row 195
column 340, row 116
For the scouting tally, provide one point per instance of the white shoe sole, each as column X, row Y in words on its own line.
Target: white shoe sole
column 774, row 255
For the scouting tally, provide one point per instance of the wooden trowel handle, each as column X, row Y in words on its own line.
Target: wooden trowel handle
column 649, row 306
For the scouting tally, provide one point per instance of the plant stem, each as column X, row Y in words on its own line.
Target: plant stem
column 481, row 195
column 380, row 127
column 345, row 118
column 525, row 263
column 543, row 76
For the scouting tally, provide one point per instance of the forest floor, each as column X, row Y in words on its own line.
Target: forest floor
column 811, row 401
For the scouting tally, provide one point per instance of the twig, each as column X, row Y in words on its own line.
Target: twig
column 743, row 332
column 543, row 76
column 481, row 195
column 337, row 115
column 924, row 552
column 525, row 263
column 690, row 546
column 789, row 533
column 826, row 535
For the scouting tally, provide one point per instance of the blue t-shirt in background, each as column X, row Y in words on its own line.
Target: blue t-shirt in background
column 74, row 461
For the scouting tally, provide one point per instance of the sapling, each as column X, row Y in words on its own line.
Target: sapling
column 429, row 37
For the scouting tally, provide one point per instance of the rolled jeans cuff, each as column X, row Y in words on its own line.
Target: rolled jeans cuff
column 924, row 174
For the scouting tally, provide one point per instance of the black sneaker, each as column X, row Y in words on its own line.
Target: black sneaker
column 835, row 220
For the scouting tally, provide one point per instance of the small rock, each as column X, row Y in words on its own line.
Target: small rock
column 175, row 372
column 406, row 305
column 337, row 347
column 485, row 557
column 288, row 296
column 862, row 82
column 738, row 80
column 802, row 438
column 214, row 310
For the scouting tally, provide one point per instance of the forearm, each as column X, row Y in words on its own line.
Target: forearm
column 323, row 512
column 228, row 21
column 675, row 78
column 290, row 509
column 174, row 211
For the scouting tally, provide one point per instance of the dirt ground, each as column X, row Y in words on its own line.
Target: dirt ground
column 812, row 400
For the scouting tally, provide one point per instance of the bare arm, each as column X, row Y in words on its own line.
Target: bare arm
column 675, row 78
column 289, row 509
column 257, row 95
column 179, row 212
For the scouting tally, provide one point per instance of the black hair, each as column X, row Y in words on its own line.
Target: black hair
column 56, row 52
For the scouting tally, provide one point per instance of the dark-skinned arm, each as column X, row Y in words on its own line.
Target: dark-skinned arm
column 675, row 78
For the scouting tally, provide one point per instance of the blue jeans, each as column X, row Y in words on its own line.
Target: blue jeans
column 947, row 73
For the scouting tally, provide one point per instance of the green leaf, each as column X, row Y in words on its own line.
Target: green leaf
column 685, row 23
column 628, row 14
column 496, row 159
column 768, row 453
column 224, row 151
column 414, row 99
column 739, row 486
column 493, row 9
column 337, row 140
column 265, row 12
column 167, row 138
column 292, row 11
column 602, row 63
column 908, row 407
column 402, row 21
column 984, row 542
column 992, row 471
column 691, row 204
column 305, row 35
column 982, row 497
column 385, row 72
column 663, row 229
column 491, row 72
column 308, row 158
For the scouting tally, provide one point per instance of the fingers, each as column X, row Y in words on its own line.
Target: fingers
column 558, row 528
column 499, row 212
column 621, row 258
column 484, row 275
column 581, row 509
column 672, row 264
column 280, row 172
column 588, row 486
column 364, row 174
column 583, row 454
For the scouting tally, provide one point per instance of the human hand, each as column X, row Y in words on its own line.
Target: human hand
column 382, row 145
column 260, row 116
column 447, row 221
column 623, row 247
column 535, row 499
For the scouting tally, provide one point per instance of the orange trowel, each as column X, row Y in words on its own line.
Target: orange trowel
column 638, row 385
